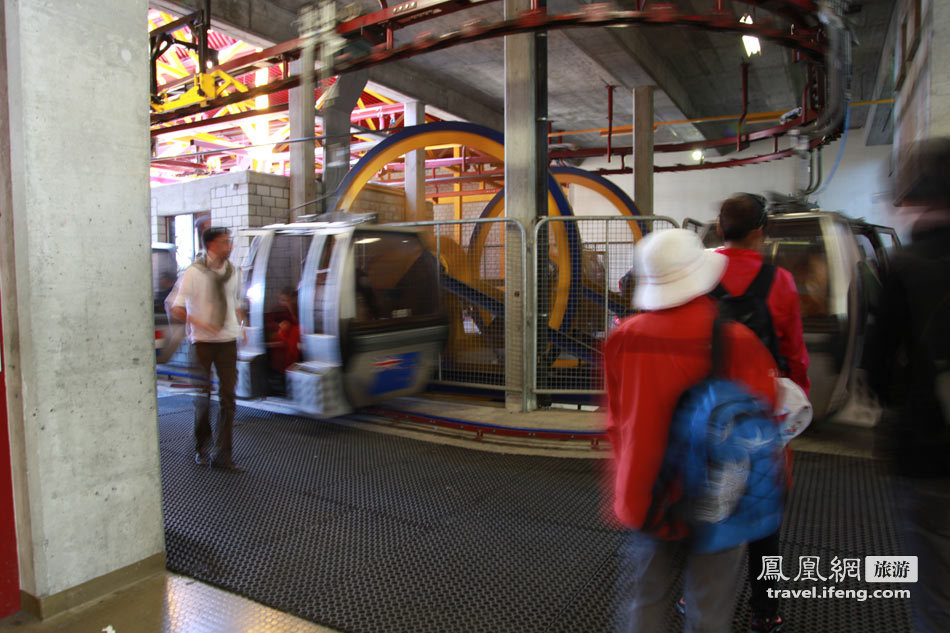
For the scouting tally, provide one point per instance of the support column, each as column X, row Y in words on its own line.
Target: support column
column 75, row 275
column 303, row 182
column 415, row 175
column 643, row 149
column 526, row 186
column 337, row 109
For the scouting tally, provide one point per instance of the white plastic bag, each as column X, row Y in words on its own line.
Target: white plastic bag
column 793, row 410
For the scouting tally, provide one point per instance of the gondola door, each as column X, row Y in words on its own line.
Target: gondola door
column 392, row 327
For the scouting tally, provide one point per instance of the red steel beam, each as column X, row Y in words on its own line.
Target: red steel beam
column 357, row 115
column 463, row 193
column 182, row 127
column 246, row 63
column 406, row 13
column 177, row 165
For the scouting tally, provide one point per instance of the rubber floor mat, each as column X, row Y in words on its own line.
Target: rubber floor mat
column 367, row 532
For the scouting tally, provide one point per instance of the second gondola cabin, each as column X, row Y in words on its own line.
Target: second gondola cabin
column 343, row 313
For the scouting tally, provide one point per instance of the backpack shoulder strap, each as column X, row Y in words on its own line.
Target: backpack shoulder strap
column 718, row 345
column 762, row 282
column 718, row 292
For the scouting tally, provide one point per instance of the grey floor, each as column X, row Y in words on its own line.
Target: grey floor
column 362, row 531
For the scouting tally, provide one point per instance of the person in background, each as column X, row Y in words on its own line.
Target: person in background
column 908, row 363
column 287, row 331
column 650, row 359
column 206, row 302
column 741, row 224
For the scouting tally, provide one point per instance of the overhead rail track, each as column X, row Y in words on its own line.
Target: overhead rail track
column 803, row 34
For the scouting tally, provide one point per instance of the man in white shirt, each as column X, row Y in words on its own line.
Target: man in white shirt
column 206, row 302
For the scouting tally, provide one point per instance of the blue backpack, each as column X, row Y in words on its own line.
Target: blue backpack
column 725, row 458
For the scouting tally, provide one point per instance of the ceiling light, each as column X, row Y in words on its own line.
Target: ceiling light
column 751, row 44
column 214, row 163
column 697, row 155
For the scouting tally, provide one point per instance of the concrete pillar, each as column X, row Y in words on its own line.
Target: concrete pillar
column 643, row 148
column 75, row 276
column 939, row 71
column 337, row 108
column 415, row 175
column 525, row 198
column 303, row 185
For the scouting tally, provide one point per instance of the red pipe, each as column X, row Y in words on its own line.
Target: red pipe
column 745, row 105
column 736, row 162
column 463, row 193
column 610, row 118
column 441, row 163
column 493, row 174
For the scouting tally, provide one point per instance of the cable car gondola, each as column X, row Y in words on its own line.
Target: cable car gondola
column 837, row 264
column 343, row 313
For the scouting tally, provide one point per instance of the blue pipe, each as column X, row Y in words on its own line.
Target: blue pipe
column 844, row 139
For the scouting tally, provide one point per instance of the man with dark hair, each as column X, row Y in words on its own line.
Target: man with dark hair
column 741, row 224
column 742, row 221
column 908, row 361
column 206, row 302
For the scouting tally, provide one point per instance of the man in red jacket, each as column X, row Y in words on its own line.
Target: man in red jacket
column 650, row 360
column 742, row 221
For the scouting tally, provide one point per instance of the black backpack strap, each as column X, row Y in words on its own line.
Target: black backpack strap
column 719, row 359
column 762, row 283
column 718, row 292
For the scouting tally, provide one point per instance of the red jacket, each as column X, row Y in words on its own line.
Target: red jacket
column 650, row 360
column 783, row 304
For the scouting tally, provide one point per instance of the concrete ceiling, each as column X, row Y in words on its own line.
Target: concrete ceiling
column 697, row 73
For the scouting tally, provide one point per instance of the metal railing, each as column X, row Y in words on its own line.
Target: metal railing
column 581, row 292
column 474, row 255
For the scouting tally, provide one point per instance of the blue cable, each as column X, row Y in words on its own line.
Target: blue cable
column 178, row 374
column 844, row 139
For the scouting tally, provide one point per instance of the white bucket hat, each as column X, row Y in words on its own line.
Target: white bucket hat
column 673, row 268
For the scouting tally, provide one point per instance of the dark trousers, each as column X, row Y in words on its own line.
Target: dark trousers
column 762, row 605
column 224, row 358
column 924, row 505
column 649, row 572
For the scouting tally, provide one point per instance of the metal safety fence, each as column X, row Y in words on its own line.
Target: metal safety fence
column 473, row 256
column 583, row 288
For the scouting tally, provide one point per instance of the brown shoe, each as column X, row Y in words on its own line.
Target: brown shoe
column 202, row 459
